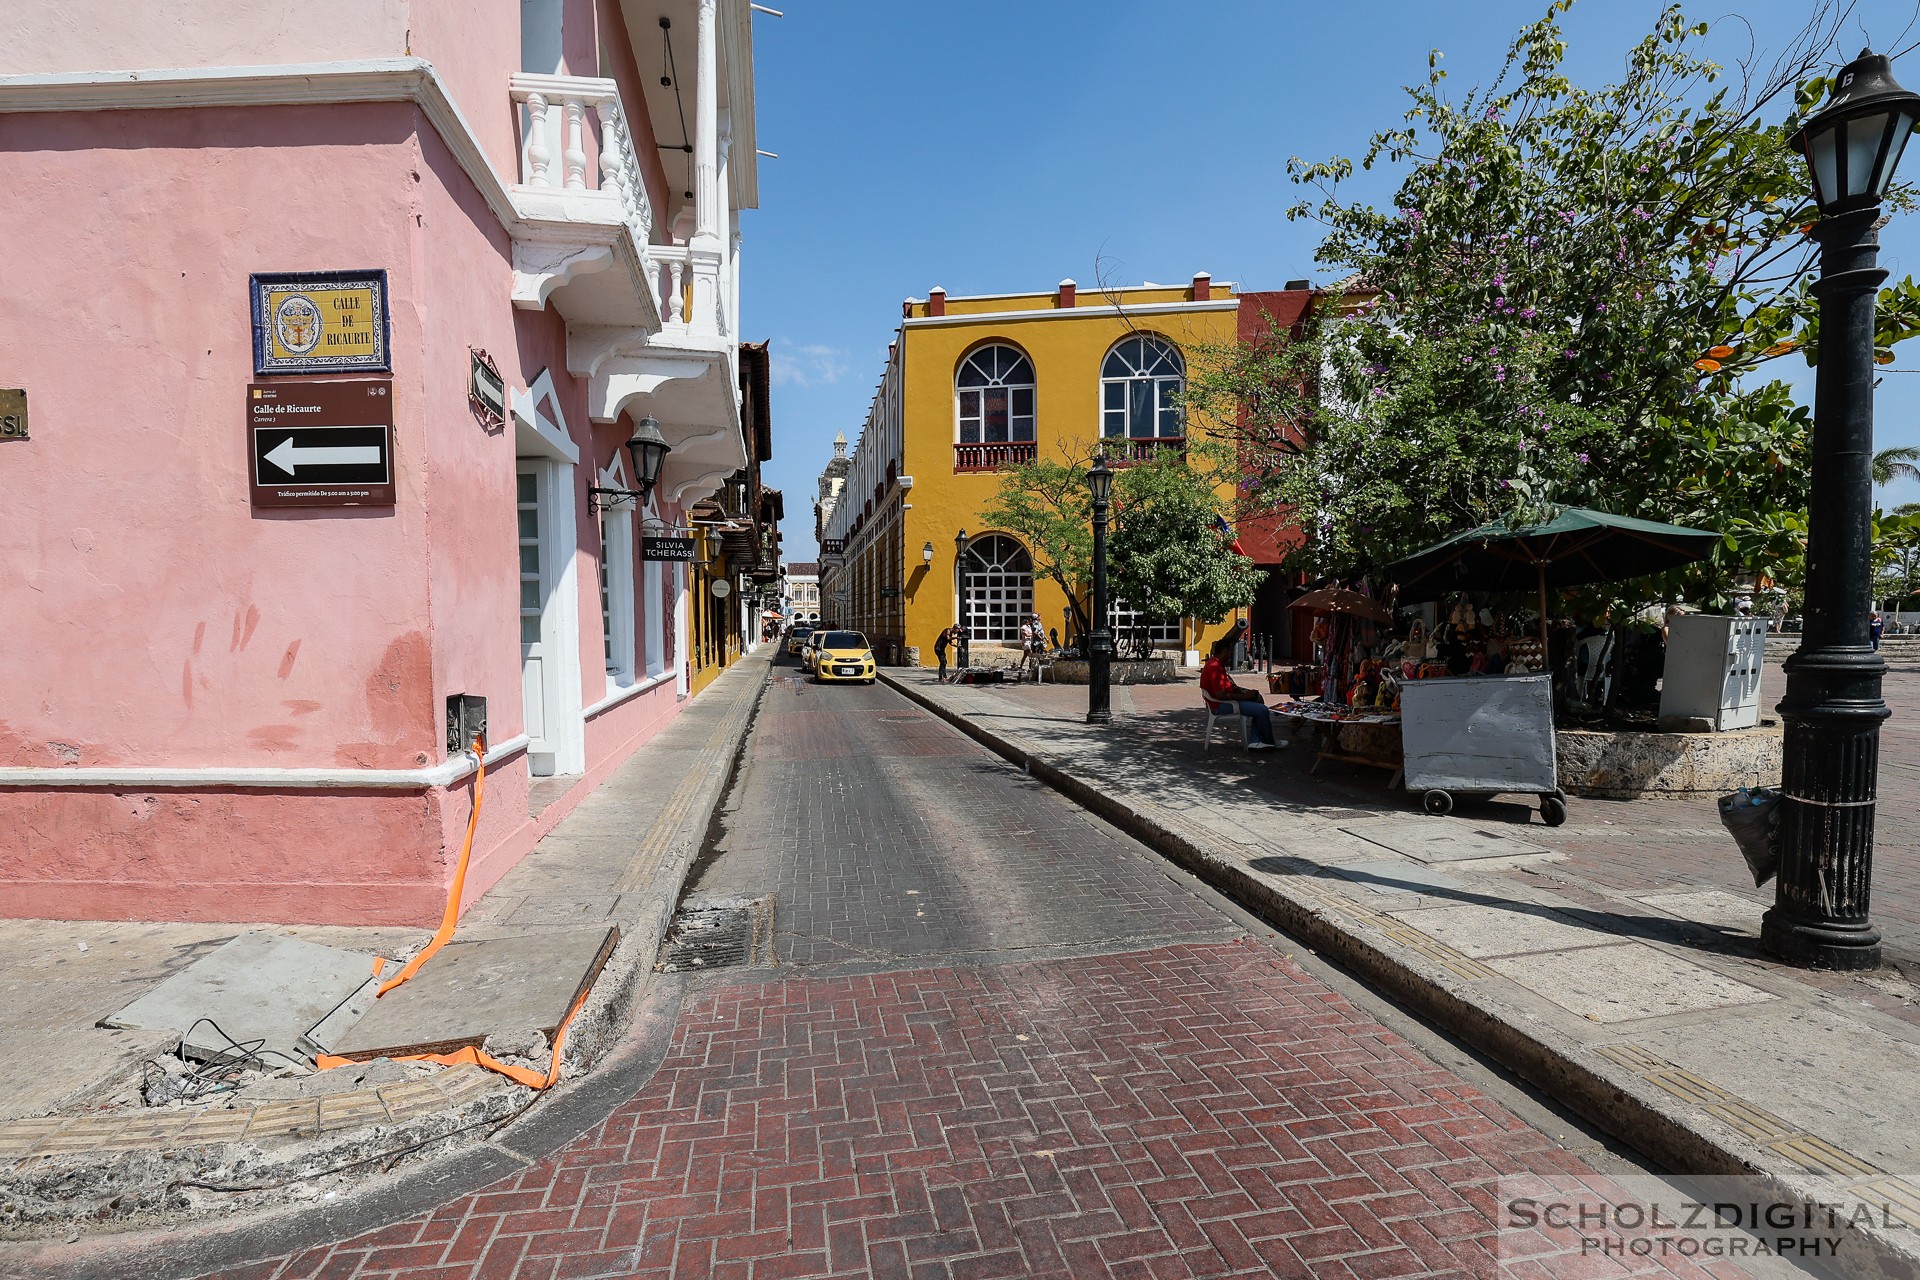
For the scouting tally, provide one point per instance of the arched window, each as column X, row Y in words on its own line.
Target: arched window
column 993, row 396
column 1140, row 385
column 998, row 588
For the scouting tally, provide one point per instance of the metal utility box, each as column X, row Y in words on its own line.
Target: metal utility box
column 1483, row 735
column 1713, row 670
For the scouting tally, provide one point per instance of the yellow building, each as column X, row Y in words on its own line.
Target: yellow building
column 973, row 384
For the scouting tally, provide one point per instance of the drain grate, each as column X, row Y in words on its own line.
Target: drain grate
column 718, row 933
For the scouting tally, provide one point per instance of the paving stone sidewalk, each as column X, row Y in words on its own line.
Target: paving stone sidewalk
column 620, row 856
column 1613, row 961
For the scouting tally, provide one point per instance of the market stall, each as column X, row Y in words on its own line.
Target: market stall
column 1456, row 696
column 1346, row 696
column 1463, row 735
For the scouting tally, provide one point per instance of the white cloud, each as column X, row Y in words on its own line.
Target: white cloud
column 807, row 365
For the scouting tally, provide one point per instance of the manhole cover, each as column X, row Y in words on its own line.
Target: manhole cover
column 718, row 933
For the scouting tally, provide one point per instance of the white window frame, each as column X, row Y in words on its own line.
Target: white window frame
column 617, row 605
column 616, row 595
column 990, row 583
column 989, row 364
column 1142, row 358
column 562, row 749
column 545, row 448
column 653, row 606
column 1121, row 619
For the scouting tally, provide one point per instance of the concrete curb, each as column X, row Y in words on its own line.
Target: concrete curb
column 126, row 1170
column 1619, row 1094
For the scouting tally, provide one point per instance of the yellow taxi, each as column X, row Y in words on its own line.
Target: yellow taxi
column 841, row 655
column 797, row 639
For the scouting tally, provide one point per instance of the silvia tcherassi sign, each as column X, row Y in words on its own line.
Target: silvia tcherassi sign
column 655, row 547
column 320, row 444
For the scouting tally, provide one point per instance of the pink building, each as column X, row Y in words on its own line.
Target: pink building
column 219, row 707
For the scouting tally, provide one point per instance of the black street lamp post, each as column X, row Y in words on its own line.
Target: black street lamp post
column 1832, row 708
column 1100, row 642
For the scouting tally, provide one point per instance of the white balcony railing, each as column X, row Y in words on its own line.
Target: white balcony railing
column 669, row 267
column 675, row 271
column 561, row 117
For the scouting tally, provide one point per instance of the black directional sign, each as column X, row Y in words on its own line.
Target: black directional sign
column 321, row 444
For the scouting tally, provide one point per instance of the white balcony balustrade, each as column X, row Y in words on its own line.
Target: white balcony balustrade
column 577, row 147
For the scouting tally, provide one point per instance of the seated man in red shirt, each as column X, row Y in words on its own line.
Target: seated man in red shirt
column 1218, row 686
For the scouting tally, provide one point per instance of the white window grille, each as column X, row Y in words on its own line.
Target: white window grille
column 999, row 588
column 1140, row 385
column 616, row 594
column 1129, row 626
column 993, row 395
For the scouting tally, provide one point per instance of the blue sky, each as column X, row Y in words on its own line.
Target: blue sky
column 990, row 146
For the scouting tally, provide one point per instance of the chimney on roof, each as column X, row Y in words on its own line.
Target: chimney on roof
column 936, row 301
column 906, row 309
column 1294, row 286
column 1202, row 286
column 1065, row 297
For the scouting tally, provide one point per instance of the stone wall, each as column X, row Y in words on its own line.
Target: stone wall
column 1618, row 765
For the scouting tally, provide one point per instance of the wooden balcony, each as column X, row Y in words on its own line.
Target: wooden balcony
column 992, row 456
column 1124, row 451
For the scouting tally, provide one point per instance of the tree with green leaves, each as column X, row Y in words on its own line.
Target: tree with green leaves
column 1046, row 505
column 1574, row 300
column 1167, row 558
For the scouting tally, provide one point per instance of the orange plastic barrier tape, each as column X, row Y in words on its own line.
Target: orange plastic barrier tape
column 444, row 933
column 460, row 1057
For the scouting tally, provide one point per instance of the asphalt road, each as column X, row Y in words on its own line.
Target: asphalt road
column 994, row 1037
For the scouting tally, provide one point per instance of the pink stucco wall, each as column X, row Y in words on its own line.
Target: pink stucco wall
column 158, row 620
column 165, row 622
column 115, row 35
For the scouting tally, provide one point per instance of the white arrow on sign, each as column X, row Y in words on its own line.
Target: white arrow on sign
column 290, row 459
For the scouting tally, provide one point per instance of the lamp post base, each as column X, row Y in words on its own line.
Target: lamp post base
column 1099, row 681
column 1820, row 944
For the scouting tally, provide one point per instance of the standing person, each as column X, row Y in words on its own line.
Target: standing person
column 1878, row 628
column 1218, row 686
column 940, row 643
column 960, row 641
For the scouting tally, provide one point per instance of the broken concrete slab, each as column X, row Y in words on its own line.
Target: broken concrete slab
column 471, row 990
column 260, row 987
column 96, row 1066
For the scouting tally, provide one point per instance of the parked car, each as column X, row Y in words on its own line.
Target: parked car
column 797, row 639
column 842, row 655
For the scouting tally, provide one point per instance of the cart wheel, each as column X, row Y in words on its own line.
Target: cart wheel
column 1437, row 803
column 1553, row 810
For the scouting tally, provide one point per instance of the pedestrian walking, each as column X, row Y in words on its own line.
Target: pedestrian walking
column 1033, row 639
column 1878, row 627
column 941, row 643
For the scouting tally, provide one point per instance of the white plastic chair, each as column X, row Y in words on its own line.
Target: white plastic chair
column 1218, row 711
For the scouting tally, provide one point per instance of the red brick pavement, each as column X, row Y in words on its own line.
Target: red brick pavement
column 1184, row 1111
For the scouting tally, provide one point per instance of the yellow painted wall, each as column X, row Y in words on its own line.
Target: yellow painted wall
column 1067, row 348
